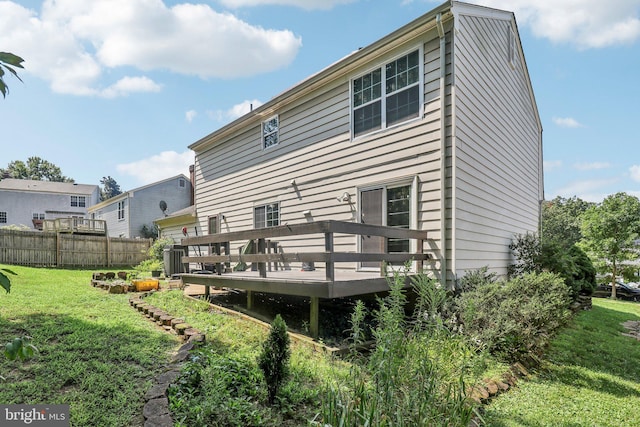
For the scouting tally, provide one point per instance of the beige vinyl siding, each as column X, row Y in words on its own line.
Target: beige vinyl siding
column 497, row 137
column 316, row 150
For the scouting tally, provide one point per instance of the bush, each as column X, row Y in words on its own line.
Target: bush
column 570, row 262
column 516, row 317
column 274, row 358
column 156, row 251
column 414, row 375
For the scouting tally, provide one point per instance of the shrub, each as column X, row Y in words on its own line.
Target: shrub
column 413, row 376
column 274, row 358
column 570, row 262
column 516, row 317
column 156, row 251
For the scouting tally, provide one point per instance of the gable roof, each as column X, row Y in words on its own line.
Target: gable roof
column 33, row 186
column 129, row 193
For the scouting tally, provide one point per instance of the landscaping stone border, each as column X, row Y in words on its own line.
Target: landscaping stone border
column 156, row 409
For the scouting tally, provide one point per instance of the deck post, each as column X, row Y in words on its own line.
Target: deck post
column 249, row 300
column 314, row 313
column 207, row 292
column 262, row 266
column 329, row 265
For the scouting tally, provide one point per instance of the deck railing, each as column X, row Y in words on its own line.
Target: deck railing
column 219, row 252
column 75, row 225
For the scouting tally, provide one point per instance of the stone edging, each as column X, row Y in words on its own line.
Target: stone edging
column 156, row 409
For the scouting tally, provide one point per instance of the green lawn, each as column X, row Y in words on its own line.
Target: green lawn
column 95, row 353
column 591, row 377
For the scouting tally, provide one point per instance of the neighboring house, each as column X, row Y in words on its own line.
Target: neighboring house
column 127, row 213
column 28, row 202
column 178, row 225
column 433, row 127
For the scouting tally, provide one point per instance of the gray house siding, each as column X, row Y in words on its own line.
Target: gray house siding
column 472, row 157
column 142, row 206
column 498, row 175
column 20, row 199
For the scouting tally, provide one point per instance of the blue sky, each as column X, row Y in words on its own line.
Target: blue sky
column 121, row 87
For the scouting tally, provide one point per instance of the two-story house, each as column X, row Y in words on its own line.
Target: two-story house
column 434, row 127
column 126, row 214
column 28, row 202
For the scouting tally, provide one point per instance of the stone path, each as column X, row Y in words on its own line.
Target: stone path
column 633, row 326
column 156, row 409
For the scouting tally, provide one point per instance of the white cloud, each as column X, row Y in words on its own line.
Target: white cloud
column 592, row 166
column 129, row 85
column 593, row 190
column 158, row 167
column 304, row 4
column 582, row 23
column 567, row 122
column 234, row 112
column 550, row 165
column 71, row 43
column 634, row 171
column 190, row 115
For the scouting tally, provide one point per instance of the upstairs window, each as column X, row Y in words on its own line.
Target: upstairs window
column 3, row 217
column 266, row 215
column 121, row 210
column 78, row 201
column 270, row 132
column 387, row 95
column 182, row 183
column 38, row 215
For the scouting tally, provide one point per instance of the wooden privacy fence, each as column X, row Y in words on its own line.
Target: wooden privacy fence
column 40, row 249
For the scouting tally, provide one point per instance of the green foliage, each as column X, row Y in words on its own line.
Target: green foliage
column 516, row 317
column 149, row 265
column 414, row 375
column 474, row 278
column 156, row 251
column 7, row 62
column 110, row 188
column 610, row 230
column 20, row 348
column 590, row 378
column 561, row 219
column 274, row 358
column 149, row 231
column 36, row 169
column 222, row 388
column 570, row 262
column 5, row 281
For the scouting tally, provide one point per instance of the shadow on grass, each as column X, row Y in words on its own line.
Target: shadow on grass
column 101, row 369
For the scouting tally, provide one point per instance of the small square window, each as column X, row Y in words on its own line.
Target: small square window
column 266, row 215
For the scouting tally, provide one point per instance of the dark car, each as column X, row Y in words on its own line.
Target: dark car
column 623, row 291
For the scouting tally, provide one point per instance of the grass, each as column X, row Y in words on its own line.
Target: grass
column 230, row 357
column 591, row 376
column 95, row 353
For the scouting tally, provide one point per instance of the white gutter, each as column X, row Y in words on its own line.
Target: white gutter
column 443, row 152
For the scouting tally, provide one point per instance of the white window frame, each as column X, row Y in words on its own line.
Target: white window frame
column 3, row 217
column 270, row 132
column 37, row 215
column 413, row 183
column 266, row 207
column 79, row 201
column 120, row 210
column 384, row 95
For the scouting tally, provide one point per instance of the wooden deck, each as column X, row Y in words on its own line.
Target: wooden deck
column 75, row 225
column 327, row 282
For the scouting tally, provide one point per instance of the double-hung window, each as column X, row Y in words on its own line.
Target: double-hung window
column 121, row 210
column 78, row 201
column 266, row 215
column 387, row 95
column 3, row 217
column 270, row 132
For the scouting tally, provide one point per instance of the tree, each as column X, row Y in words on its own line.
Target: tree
column 35, row 168
column 561, row 221
column 610, row 230
column 274, row 358
column 7, row 62
column 110, row 188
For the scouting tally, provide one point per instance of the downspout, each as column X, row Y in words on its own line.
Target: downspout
column 443, row 152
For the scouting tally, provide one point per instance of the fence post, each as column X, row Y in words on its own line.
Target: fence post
column 329, row 265
column 58, row 251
